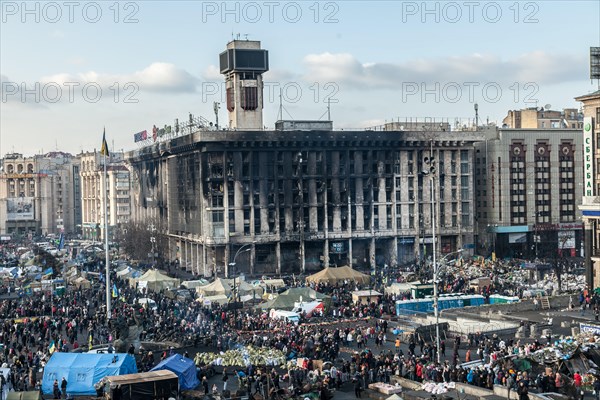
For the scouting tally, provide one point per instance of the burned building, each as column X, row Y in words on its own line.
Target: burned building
column 303, row 196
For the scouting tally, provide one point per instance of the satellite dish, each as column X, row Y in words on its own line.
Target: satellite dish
column 547, row 106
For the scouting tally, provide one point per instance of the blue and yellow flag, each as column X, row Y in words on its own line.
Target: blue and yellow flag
column 52, row 347
column 115, row 291
column 104, row 148
column 61, row 241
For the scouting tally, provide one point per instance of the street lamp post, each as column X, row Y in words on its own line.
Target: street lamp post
column 301, row 224
column 430, row 170
column 536, row 237
column 436, row 298
column 242, row 249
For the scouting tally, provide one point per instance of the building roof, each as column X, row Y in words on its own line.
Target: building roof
column 210, row 140
column 589, row 96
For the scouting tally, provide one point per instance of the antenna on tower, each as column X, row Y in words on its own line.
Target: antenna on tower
column 476, row 115
column 595, row 64
column 329, row 109
column 216, row 106
column 280, row 105
column 246, row 36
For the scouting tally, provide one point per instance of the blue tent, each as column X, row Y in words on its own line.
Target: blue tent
column 82, row 370
column 183, row 367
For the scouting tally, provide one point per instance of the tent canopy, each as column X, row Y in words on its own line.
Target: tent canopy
column 183, row 367
column 158, row 281
column 83, row 370
column 218, row 299
column 146, row 385
column 341, row 274
column 194, row 284
column 245, row 288
column 287, row 299
column 81, row 282
column 272, row 283
column 218, row 287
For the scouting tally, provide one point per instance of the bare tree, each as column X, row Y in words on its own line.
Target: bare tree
column 140, row 239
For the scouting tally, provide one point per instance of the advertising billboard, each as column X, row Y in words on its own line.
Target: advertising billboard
column 588, row 156
column 566, row 240
column 19, row 208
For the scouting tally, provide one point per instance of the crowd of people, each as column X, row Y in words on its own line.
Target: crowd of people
column 354, row 337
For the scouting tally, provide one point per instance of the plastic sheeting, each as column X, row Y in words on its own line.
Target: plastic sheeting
column 82, row 370
column 183, row 367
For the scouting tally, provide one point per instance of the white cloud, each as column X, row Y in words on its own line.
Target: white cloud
column 162, row 78
column 158, row 77
column 538, row 67
column 212, row 74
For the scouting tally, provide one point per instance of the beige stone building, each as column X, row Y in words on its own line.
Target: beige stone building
column 39, row 194
column 590, row 206
column 540, row 118
column 92, row 199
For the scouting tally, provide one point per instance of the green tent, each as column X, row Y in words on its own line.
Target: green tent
column 286, row 300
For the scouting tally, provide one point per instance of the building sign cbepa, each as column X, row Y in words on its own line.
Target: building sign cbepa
column 588, row 156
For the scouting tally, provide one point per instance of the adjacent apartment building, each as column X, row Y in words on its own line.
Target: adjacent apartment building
column 590, row 204
column 39, row 194
column 528, row 184
column 92, row 199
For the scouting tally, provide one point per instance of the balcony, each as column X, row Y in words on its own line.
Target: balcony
column 590, row 204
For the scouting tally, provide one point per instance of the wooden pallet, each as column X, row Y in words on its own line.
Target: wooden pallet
column 545, row 303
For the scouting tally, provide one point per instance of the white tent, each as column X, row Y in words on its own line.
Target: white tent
column 157, row 281
column 208, row 300
column 194, row 284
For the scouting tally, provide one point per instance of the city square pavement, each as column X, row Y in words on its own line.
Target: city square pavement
column 572, row 317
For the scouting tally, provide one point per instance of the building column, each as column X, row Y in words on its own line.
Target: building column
column 277, row 257
column 227, row 259
column 350, row 252
column 252, row 258
column 187, row 257
column 588, row 239
column 192, row 257
column 394, row 258
column 204, row 261
column 200, row 258
column 372, row 253
column 326, row 253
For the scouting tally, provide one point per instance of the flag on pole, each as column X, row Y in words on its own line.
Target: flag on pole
column 104, row 148
column 61, row 241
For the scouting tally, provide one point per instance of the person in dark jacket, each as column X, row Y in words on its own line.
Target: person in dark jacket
column 63, row 387
column 522, row 391
column 357, row 387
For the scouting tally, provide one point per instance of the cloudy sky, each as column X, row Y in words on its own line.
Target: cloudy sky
column 69, row 69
